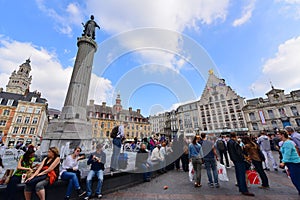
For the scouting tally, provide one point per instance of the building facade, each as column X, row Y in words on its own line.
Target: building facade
column 274, row 112
column 23, row 116
column 158, row 123
column 187, row 116
column 219, row 111
column 104, row 118
column 220, row 108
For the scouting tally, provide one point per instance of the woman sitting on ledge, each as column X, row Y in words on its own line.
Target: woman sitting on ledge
column 25, row 166
column 71, row 173
column 46, row 174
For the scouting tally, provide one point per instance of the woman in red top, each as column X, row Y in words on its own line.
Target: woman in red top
column 46, row 174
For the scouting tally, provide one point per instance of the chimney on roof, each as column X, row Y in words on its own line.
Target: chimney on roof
column 103, row 104
column 1, row 89
column 138, row 111
column 92, row 102
column 130, row 109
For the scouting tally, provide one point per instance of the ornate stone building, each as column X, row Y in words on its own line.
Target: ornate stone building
column 22, row 113
column 20, row 81
column 219, row 111
column 220, row 108
column 274, row 112
column 104, row 118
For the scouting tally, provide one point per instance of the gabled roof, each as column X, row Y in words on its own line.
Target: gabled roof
column 212, row 85
column 274, row 91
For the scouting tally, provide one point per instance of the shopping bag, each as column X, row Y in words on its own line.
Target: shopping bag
column 287, row 171
column 222, row 173
column 252, row 177
column 191, row 172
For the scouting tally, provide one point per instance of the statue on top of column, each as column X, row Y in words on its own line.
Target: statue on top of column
column 89, row 28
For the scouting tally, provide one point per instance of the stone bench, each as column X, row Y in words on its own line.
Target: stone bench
column 112, row 182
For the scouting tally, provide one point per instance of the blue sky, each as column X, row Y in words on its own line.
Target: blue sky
column 156, row 54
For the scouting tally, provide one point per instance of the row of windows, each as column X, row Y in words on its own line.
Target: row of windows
column 9, row 102
column 130, row 134
column 226, row 125
column 217, row 104
column 274, row 124
column 23, row 130
column 108, row 125
column 30, row 110
column 281, row 112
column 27, row 120
column 114, row 117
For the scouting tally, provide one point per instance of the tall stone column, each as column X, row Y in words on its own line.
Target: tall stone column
column 76, row 99
column 72, row 128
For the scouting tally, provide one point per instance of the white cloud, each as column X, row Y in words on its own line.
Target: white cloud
column 290, row 1
column 246, row 14
column 117, row 16
column 65, row 18
column 290, row 8
column 48, row 75
column 283, row 69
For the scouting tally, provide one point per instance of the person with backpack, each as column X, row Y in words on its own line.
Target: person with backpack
column 222, row 149
column 117, row 144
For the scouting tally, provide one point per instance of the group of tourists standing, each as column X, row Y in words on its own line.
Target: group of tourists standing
column 245, row 153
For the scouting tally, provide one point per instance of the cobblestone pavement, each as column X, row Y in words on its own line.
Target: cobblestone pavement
column 179, row 187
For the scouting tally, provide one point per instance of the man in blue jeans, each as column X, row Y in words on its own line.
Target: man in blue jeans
column 117, row 144
column 236, row 155
column 97, row 161
column 210, row 160
column 142, row 163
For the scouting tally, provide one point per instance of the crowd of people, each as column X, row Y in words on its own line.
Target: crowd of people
column 161, row 154
column 244, row 152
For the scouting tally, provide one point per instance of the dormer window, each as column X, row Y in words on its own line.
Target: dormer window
column 33, row 99
column 10, row 102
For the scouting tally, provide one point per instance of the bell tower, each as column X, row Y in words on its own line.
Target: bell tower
column 20, row 81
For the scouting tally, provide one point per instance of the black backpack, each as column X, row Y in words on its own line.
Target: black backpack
column 114, row 132
column 220, row 145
